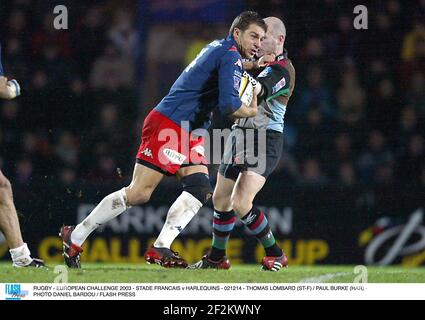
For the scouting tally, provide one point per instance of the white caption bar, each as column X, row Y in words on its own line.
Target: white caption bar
column 219, row 292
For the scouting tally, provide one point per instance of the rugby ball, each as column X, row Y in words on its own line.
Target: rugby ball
column 246, row 88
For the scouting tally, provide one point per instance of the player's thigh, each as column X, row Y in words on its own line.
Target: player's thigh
column 3, row 179
column 222, row 193
column 247, row 186
column 188, row 170
column 144, row 182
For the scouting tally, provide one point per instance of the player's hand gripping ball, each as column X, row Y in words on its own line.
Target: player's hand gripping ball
column 13, row 88
column 246, row 88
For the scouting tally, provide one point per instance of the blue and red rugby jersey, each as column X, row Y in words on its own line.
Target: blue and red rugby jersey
column 211, row 80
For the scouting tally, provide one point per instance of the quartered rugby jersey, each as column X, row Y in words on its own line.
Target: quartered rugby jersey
column 278, row 79
column 211, row 80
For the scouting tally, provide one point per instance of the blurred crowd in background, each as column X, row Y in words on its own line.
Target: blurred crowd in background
column 357, row 116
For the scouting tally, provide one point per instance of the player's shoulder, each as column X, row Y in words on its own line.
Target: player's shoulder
column 227, row 49
column 282, row 64
column 290, row 66
column 284, row 68
column 291, row 71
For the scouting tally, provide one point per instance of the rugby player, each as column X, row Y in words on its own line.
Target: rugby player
column 9, row 222
column 171, row 147
column 239, row 178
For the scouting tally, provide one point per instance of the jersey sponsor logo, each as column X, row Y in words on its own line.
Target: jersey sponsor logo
column 233, row 48
column 279, row 85
column 250, row 78
column 236, row 82
column 148, row 153
column 174, row 156
column 265, row 72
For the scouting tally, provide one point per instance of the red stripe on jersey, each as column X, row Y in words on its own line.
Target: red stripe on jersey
column 233, row 48
column 282, row 63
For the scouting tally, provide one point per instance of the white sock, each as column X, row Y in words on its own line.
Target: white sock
column 109, row 208
column 21, row 256
column 181, row 212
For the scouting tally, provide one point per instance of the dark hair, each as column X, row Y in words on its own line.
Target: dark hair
column 246, row 18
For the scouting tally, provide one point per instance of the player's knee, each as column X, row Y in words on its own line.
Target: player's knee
column 239, row 204
column 216, row 199
column 137, row 197
column 221, row 201
column 198, row 185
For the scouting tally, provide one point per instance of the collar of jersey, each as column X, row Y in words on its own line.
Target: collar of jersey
column 282, row 56
column 233, row 42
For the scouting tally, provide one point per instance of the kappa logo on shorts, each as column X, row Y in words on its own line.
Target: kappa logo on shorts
column 148, row 153
column 174, row 156
column 200, row 150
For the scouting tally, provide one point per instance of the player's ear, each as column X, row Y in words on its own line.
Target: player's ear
column 236, row 32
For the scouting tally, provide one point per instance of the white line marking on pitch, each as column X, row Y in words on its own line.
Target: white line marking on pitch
column 324, row 277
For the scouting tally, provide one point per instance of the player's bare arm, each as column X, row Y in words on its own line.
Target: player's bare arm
column 247, row 111
column 4, row 92
column 260, row 63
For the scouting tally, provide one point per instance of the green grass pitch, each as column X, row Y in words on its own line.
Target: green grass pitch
column 143, row 273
